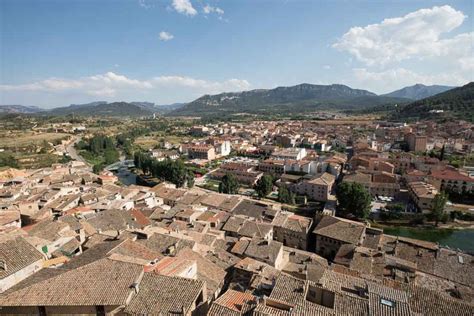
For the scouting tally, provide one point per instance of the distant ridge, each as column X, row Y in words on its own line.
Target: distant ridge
column 283, row 100
column 418, row 91
column 21, row 109
column 102, row 108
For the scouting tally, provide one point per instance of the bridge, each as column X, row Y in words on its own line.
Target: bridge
column 120, row 164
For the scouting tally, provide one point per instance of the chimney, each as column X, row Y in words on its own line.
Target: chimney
column 136, row 287
column 117, row 237
column 3, row 265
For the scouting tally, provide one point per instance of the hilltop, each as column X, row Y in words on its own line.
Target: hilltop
column 418, row 91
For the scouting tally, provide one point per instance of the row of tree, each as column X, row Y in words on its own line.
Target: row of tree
column 173, row 171
column 99, row 148
column 97, row 145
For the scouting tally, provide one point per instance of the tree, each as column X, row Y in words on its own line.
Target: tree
column 437, row 210
column 264, row 186
column 354, row 199
column 441, row 155
column 285, row 196
column 178, row 174
column 229, row 184
column 7, row 159
column 97, row 168
column 190, row 179
column 111, row 156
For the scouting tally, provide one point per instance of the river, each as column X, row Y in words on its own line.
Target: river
column 453, row 238
column 126, row 176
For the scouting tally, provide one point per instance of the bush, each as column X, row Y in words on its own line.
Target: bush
column 418, row 219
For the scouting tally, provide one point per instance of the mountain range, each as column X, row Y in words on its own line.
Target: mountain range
column 283, row 100
column 19, row 109
column 418, row 91
column 97, row 108
column 298, row 99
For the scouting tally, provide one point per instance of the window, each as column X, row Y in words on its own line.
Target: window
column 386, row 302
column 100, row 310
column 41, row 310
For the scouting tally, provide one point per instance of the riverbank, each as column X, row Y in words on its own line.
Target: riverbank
column 462, row 239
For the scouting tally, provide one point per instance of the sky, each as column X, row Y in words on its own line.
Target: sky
column 55, row 52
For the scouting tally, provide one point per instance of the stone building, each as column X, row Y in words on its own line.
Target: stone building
column 333, row 232
column 292, row 230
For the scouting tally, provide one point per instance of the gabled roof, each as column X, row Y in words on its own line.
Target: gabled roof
column 340, row 229
column 164, row 295
column 16, row 255
column 104, row 282
column 230, row 303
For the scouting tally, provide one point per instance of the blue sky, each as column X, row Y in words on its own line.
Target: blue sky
column 54, row 53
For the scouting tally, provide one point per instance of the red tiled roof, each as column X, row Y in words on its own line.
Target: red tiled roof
column 234, row 299
column 140, row 218
column 448, row 174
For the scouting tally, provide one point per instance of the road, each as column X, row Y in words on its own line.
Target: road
column 72, row 152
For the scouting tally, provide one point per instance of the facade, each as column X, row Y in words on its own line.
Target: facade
column 292, row 230
column 422, row 194
column 449, row 179
column 205, row 152
column 377, row 184
column 333, row 232
column 272, row 166
column 416, row 143
column 317, row 189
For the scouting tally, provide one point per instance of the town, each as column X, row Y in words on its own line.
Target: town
column 237, row 158
column 284, row 217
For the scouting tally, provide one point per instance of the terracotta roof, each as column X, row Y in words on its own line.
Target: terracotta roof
column 137, row 250
column 164, row 295
column 448, row 174
column 140, row 218
column 17, row 254
column 103, row 282
column 231, row 300
column 340, row 229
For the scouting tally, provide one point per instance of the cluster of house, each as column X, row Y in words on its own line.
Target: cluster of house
column 72, row 242
column 418, row 177
column 385, row 158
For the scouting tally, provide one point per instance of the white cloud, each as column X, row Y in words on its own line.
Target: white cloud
column 415, row 48
column 165, row 36
column 144, row 4
column 327, row 67
column 209, row 87
column 184, row 7
column 104, row 84
column 208, row 9
column 111, row 86
column 415, row 35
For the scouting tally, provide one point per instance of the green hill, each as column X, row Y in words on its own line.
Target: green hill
column 457, row 103
column 115, row 109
